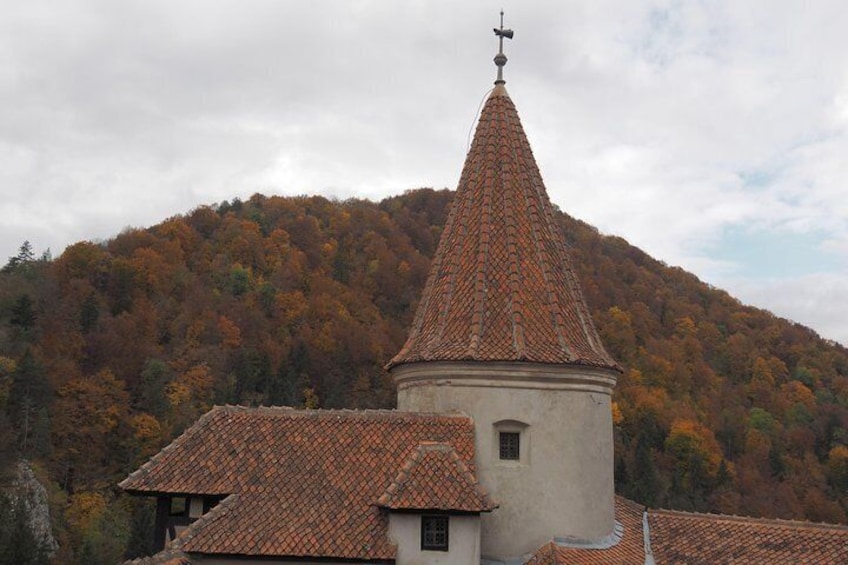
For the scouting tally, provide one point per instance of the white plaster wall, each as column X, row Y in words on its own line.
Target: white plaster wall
column 463, row 541
column 564, row 486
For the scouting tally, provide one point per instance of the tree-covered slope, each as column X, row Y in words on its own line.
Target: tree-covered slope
column 109, row 351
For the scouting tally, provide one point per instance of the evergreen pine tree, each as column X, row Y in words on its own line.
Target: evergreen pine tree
column 645, row 482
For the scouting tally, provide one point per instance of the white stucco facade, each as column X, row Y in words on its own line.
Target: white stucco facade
column 463, row 540
column 562, row 484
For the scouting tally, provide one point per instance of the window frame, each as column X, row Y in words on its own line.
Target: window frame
column 428, row 521
column 509, row 445
column 510, row 426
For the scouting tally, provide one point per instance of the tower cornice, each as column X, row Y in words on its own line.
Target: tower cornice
column 506, row 375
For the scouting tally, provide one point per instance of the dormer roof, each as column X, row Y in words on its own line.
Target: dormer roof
column 501, row 285
column 435, row 477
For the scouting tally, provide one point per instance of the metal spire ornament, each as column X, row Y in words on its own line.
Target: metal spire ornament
column 500, row 58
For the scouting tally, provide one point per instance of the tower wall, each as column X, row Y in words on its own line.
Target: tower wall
column 561, row 486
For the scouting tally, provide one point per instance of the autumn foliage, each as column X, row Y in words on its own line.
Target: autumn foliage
column 111, row 350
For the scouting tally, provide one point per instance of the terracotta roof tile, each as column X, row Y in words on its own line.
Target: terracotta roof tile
column 302, row 483
column 683, row 538
column 630, row 549
column 436, row 478
column 689, row 539
column 501, row 286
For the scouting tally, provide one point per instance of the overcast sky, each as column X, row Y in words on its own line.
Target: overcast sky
column 712, row 134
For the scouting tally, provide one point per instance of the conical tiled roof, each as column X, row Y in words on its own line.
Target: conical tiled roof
column 501, row 286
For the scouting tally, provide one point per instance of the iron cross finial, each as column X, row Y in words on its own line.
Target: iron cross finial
column 500, row 58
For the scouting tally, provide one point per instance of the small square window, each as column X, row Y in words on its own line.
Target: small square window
column 510, row 447
column 434, row 533
column 178, row 507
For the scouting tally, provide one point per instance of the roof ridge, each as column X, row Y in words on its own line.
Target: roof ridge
column 375, row 413
column 477, row 326
column 516, row 304
column 748, row 519
column 469, row 476
column 399, row 480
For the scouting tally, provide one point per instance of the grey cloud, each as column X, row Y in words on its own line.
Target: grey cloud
column 645, row 117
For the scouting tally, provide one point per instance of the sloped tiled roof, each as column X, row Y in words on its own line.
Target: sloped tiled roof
column 302, row 483
column 436, row 478
column 689, row 539
column 683, row 538
column 501, row 285
column 630, row 549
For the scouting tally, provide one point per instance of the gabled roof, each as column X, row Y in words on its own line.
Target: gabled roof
column 301, row 483
column 501, row 285
column 687, row 538
column 436, row 478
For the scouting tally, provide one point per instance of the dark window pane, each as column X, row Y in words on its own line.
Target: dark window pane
column 510, row 447
column 434, row 533
column 179, row 506
column 209, row 504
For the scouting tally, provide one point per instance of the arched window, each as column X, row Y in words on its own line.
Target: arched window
column 512, row 442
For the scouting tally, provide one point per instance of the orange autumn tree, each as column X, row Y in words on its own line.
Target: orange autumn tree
column 257, row 301
column 696, row 459
column 88, row 420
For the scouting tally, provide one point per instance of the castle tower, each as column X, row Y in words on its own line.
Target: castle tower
column 503, row 333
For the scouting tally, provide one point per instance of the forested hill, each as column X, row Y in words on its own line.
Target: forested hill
column 109, row 351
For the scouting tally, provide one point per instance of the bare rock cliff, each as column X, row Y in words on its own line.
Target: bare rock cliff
column 34, row 497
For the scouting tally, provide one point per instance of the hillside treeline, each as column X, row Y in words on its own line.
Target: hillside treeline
column 109, row 351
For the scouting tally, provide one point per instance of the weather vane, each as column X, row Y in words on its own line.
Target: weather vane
column 500, row 58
